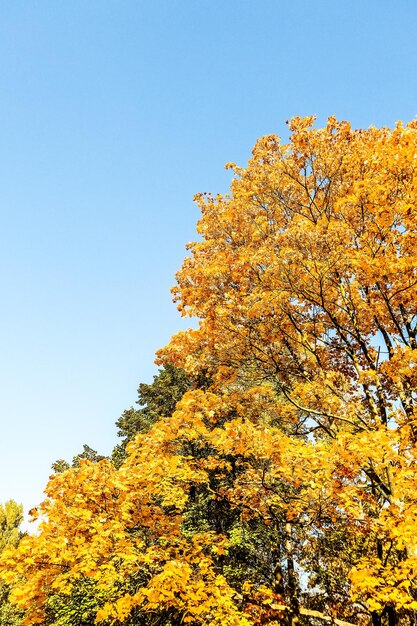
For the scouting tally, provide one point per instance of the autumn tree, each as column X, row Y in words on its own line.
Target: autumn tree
column 305, row 284
column 282, row 490
column 156, row 400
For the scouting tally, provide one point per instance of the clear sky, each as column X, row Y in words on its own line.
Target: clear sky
column 113, row 114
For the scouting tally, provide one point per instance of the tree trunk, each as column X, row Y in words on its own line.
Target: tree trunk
column 392, row 616
column 294, row 612
column 376, row 619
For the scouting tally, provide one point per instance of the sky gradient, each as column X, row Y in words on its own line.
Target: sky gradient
column 113, row 114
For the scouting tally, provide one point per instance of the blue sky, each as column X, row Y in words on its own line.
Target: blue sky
column 113, row 114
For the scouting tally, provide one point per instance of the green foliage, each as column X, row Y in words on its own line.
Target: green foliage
column 79, row 608
column 11, row 516
column 155, row 400
column 88, row 454
column 9, row 614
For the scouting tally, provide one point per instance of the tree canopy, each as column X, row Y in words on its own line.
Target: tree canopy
column 278, row 486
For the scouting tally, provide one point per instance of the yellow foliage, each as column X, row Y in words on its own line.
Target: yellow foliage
column 305, row 286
